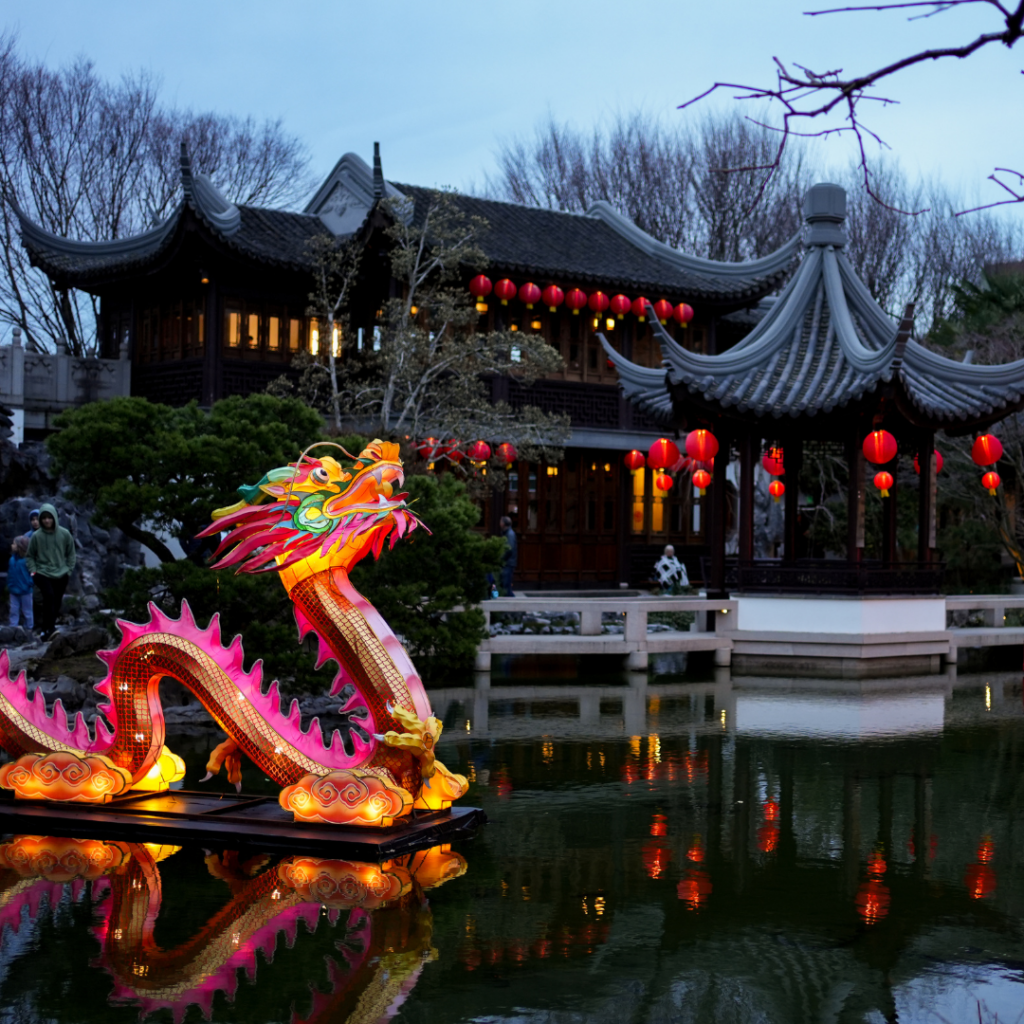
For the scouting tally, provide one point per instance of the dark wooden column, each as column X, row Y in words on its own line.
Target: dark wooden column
column 793, row 458
column 855, row 498
column 926, row 498
column 213, row 372
column 750, row 448
column 717, row 520
column 889, row 517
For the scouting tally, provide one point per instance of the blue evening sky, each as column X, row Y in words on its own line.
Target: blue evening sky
column 440, row 83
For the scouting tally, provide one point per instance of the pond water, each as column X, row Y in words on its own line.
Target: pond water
column 727, row 850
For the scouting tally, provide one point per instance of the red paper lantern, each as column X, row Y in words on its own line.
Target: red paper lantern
column 883, row 481
column 990, row 481
column 987, row 450
column 507, row 453
column 663, row 482
column 480, row 286
column 879, row 447
column 598, row 302
column 701, row 445
column 683, row 313
column 634, row 460
column 701, row 480
column 552, row 296
column 479, row 451
column 453, row 451
column 772, row 461
column 639, row 308
column 505, row 290
column 663, row 453
column 663, row 310
column 776, row 489
column 429, row 448
column 620, row 305
column 938, row 462
column 575, row 300
column 529, row 293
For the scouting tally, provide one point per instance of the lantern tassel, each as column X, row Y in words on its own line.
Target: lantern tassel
column 885, row 493
column 992, row 491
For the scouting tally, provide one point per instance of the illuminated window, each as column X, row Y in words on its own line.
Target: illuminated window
column 336, row 341
column 274, row 333
column 639, row 482
column 516, row 354
column 294, row 333
column 253, row 336
column 314, row 337
column 234, row 330
column 376, row 339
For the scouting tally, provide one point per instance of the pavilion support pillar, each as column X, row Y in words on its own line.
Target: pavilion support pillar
column 926, row 499
column 750, row 448
column 793, row 457
column 213, row 373
column 889, row 518
column 717, row 525
column 855, row 500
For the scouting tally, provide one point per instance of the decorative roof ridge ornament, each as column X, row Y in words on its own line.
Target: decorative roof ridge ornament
column 186, row 171
column 825, row 212
column 766, row 266
column 206, row 199
column 906, row 332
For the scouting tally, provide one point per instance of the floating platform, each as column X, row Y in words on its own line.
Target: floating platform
column 180, row 816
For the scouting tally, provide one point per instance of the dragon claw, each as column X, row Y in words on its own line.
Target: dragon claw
column 207, row 777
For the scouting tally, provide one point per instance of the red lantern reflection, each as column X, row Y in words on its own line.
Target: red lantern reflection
column 980, row 877
column 659, row 825
column 694, row 889
column 656, row 857
column 872, row 901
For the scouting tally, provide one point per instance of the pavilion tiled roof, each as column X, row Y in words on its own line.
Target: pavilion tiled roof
column 823, row 344
column 600, row 246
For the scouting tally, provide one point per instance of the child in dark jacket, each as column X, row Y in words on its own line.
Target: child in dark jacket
column 19, row 585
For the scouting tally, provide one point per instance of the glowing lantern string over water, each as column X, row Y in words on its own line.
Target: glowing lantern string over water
column 987, row 450
column 938, row 462
column 553, row 297
column 701, row 480
column 883, row 481
column 990, row 481
column 634, row 460
column 701, row 445
column 777, row 489
column 529, row 294
column 575, row 300
column 879, row 447
column 662, row 454
column 620, row 305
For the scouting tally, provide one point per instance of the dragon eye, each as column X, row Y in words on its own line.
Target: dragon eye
column 319, row 475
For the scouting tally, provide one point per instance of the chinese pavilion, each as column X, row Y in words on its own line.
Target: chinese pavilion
column 213, row 302
column 824, row 365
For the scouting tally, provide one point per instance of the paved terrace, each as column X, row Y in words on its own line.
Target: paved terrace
column 716, row 629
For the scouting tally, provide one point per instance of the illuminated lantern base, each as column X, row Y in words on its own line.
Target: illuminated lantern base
column 63, row 775
column 346, row 797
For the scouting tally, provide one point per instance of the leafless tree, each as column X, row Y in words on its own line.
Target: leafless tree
column 807, row 98
column 673, row 183
column 95, row 160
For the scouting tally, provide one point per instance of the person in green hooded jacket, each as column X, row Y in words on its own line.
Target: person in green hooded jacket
column 50, row 560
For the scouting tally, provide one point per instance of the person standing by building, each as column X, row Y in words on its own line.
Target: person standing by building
column 511, row 556
column 33, row 522
column 51, row 559
column 19, row 585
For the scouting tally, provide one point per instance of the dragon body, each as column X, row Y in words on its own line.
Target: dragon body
column 310, row 522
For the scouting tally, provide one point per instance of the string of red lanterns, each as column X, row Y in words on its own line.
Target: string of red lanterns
column 777, row 489
column 576, row 299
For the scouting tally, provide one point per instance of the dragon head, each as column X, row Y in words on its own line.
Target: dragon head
column 315, row 514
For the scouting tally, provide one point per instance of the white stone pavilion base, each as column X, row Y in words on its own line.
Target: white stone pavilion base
column 851, row 637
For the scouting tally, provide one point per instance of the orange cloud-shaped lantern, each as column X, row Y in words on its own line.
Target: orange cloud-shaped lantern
column 59, row 859
column 342, row 883
column 346, row 797
column 63, row 775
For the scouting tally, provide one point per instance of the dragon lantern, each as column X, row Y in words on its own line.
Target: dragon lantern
column 310, row 522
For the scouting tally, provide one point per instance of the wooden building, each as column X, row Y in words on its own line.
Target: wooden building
column 212, row 302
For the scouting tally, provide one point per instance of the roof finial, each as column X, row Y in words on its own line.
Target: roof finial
column 378, row 174
column 186, row 171
column 825, row 211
